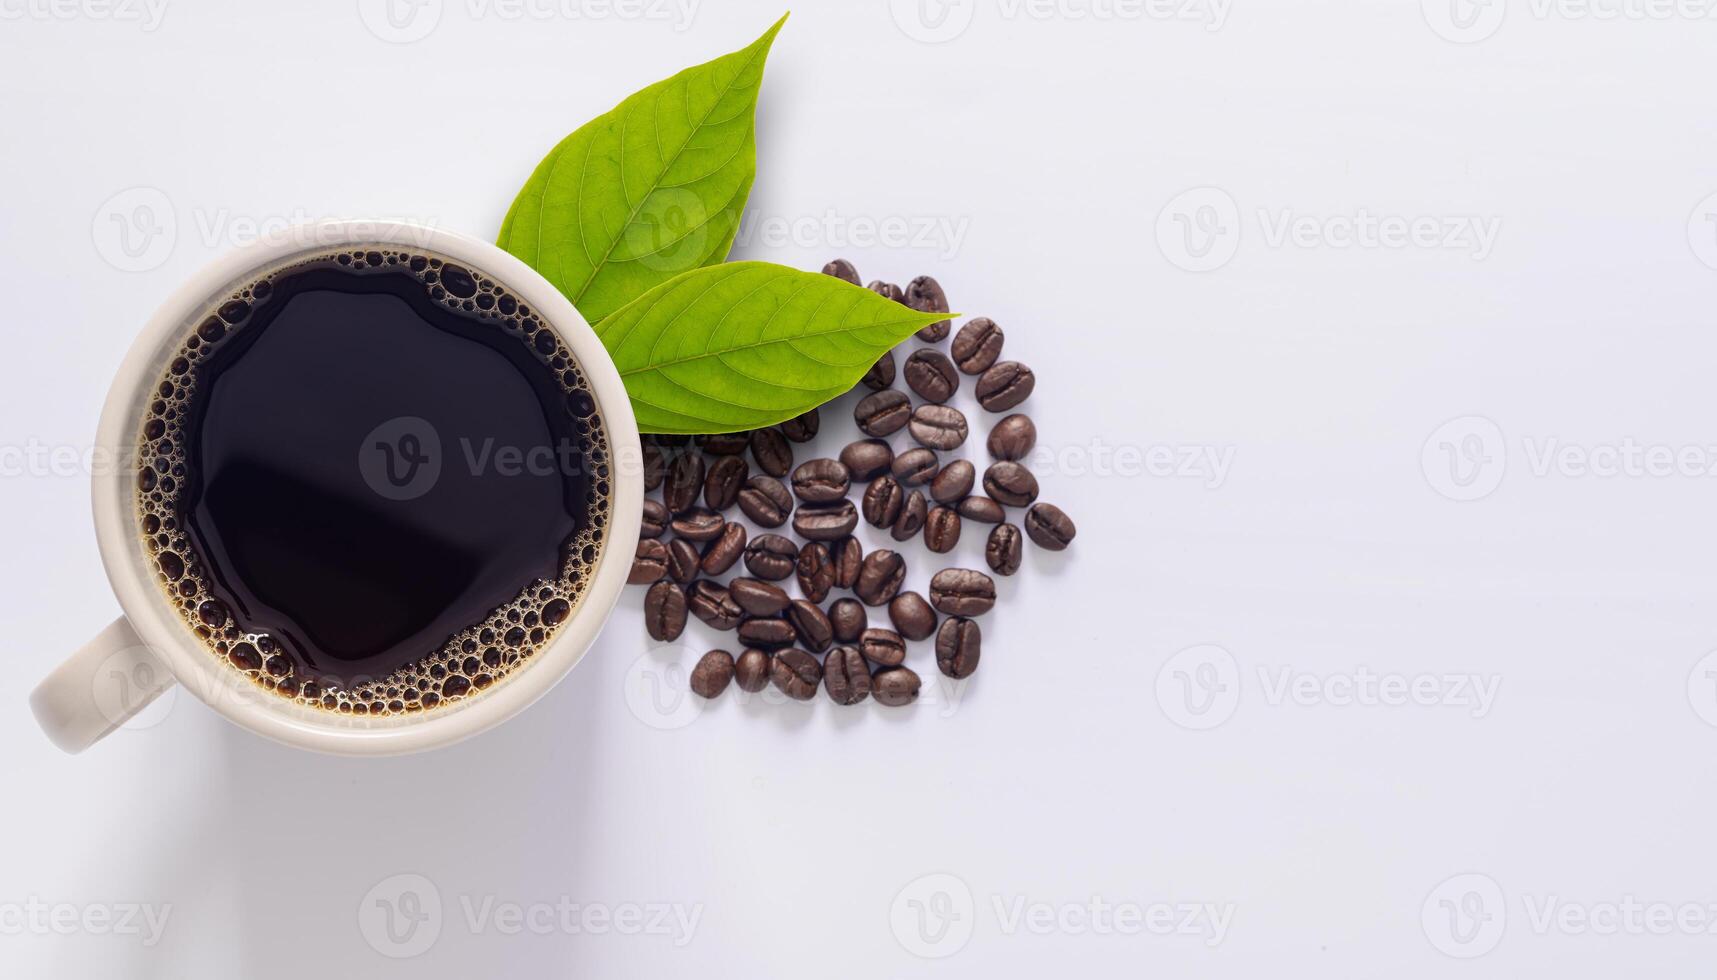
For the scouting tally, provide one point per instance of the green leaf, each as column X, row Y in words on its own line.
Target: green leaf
column 748, row 344
column 650, row 190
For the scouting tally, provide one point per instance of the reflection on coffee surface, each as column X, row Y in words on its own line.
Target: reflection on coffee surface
column 374, row 481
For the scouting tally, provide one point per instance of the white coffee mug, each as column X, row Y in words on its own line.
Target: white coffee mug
column 149, row 648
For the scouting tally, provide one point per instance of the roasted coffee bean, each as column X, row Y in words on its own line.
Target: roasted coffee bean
column 846, row 677
column 802, row 428
column 655, row 465
column 983, row 510
column 796, row 674
column 954, row 482
column 958, row 644
column 847, row 557
column 880, row 377
column 719, row 555
column 756, row 597
column 912, row 616
column 812, row 625
column 913, row 512
column 977, row 345
column 842, row 269
column 938, row 426
column 665, row 611
column 825, row 522
column 883, row 413
column 712, row 674
column 766, row 501
column 751, row 671
column 1049, row 527
column 1010, row 483
column 771, row 450
column 816, row 571
column 941, row 529
column 895, row 687
column 1002, row 550
column 888, row 290
column 882, row 647
column 880, row 577
column 698, row 524
column 724, row 443
column 962, row 592
column 684, row 562
column 930, row 374
column 725, row 479
column 656, row 519
column 766, row 631
column 915, row 467
column 882, row 500
column 649, row 562
column 684, row 480
column 667, row 441
column 866, row 458
column 848, row 620
column 925, row 295
column 1013, row 437
column 710, row 602
column 821, row 481
column 1004, row 385
column 771, row 557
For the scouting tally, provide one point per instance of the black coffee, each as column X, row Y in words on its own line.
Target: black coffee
column 374, row 480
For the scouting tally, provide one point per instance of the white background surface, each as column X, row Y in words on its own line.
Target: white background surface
column 800, row 835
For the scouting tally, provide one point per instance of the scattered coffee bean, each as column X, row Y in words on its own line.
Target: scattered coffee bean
column 812, row 624
column 724, row 443
column 925, row 295
column 821, row 481
column 888, row 290
column 842, row 269
column 847, row 557
column 1010, row 483
column 962, row 592
column 756, row 597
column 655, row 465
column 866, row 458
column 725, row 479
column 710, row 602
column 954, row 482
column 771, row 557
column 846, row 677
column 912, row 616
column 895, row 687
column 656, row 519
column 882, row 647
column 751, row 671
column 1012, row 438
column 880, row 577
column 938, row 426
column 796, row 674
column 1002, row 550
column 816, row 571
column 684, row 480
column 958, row 644
column 848, row 620
column 766, row 631
column 983, row 510
column 977, row 345
column 802, row 428
column 684, row 562
column 929, row 373
column 880, row 377
column 1004, row 385
column 766, row 501
column 649, row 563
column 721, row 554
column 698, row 524
column 941, row 529
column 915, row 467
column 712, row 674
column 667, row 441
column 882, row 500
column 665, row 611
column 825, row 522
column 771, row 450
column 1049, row 527
column 883, row 413
column 913, row 512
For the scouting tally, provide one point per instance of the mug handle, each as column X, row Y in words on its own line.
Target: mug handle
column 100, row 687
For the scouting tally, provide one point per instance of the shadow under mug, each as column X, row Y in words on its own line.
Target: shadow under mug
column 149, row 648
